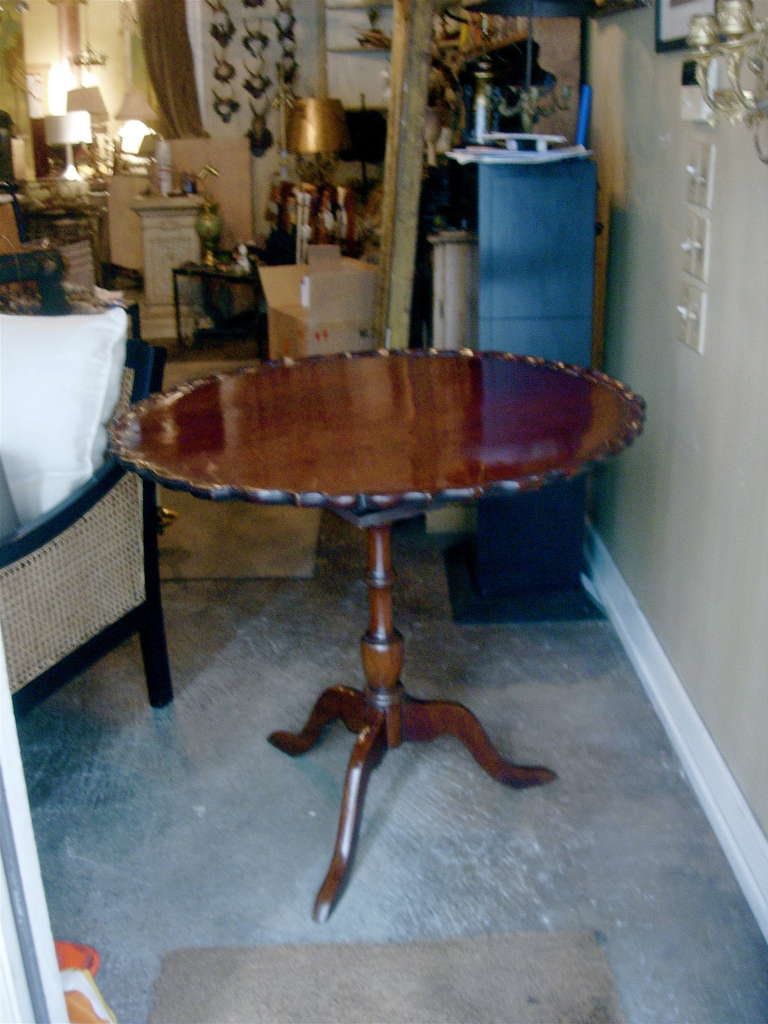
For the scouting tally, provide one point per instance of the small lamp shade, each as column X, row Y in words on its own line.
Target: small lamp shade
column 89, row 98
column 317, row 126
column 135, row 107
column 68, row 129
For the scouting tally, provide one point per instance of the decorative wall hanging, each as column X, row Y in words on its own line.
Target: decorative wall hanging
column 257, row 58
column 259, row 135
column 225, row 106
column 222, row 28
column 223, row 71
column 255, row 41
column 285, row 22
column 257, row 82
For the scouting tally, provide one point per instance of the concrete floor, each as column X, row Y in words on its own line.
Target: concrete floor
column 183, row 827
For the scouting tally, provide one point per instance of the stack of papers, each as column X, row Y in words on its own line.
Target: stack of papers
column 494, row 155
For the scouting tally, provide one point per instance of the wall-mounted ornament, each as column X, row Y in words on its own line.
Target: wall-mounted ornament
column 730, row 50
column 258, row 134
column 255, row 40
column 257, row 81
column 222, row 28
column 285, row 22
column 254, row 65
column 225, row 106
column 223, row 71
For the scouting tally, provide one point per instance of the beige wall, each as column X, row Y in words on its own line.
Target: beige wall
column 685, row 512
column 105, row 30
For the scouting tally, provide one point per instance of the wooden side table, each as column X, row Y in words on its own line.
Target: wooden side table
column 377, row 437
column 208, row 275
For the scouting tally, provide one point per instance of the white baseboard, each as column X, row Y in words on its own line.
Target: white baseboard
column 743, row 841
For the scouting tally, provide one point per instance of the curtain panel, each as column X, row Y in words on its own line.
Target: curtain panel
column 171, row 67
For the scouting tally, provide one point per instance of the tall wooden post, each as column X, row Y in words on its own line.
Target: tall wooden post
column 321, row 49
column 411, row 44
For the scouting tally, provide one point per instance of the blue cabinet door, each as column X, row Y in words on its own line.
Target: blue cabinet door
column 536, row 230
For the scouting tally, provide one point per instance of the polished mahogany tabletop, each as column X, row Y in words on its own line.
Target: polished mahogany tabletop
column 379, row 430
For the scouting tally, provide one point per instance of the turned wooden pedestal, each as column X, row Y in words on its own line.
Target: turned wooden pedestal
column 383, row 716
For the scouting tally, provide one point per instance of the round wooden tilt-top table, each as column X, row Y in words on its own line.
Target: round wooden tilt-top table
column 376, row 437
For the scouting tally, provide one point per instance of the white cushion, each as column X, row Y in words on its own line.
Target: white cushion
column 9, row 520
column 59, row 384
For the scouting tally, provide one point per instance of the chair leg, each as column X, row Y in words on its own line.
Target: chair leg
column 154, row 649
column 154, row 653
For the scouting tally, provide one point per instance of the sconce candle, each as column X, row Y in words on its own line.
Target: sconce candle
column 703, row 31
column 734, row 17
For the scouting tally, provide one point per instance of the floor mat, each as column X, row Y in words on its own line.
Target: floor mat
column 525, row 978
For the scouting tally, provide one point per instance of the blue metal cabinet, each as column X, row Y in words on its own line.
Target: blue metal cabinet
column 536, row 236
column 536, row 228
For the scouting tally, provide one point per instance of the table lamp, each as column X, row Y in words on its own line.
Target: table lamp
column 89, row 97
column 68, row 130
column 317, row 125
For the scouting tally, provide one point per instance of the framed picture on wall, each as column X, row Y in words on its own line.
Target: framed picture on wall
column 673, row 18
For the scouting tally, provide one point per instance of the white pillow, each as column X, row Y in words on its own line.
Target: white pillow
column 59, row 384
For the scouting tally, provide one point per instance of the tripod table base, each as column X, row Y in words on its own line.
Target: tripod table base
column 419, row 720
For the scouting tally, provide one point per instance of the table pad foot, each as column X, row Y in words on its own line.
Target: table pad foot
column 427, row 719
column 342, row 702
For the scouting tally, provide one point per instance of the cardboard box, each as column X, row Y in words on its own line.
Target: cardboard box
column 9, row 233
column 338, row 317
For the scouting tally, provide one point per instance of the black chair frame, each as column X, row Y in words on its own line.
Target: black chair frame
column 146, row 619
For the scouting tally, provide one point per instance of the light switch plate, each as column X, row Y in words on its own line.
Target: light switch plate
column 692, row 310
column 700, row 173
column 695, row 245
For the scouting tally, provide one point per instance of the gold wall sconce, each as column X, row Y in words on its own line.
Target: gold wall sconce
column 731, row 47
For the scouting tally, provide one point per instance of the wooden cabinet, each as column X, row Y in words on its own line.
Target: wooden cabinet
column 454, row 289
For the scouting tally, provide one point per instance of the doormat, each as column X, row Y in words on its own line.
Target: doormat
column 536, row 978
